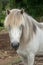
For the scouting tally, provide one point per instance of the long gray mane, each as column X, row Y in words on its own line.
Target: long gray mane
column 29, row 29
column 32, row 23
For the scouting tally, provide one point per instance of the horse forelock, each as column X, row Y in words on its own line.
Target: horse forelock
column 14, row 18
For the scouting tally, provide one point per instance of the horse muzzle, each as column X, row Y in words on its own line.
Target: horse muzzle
column 15, row 45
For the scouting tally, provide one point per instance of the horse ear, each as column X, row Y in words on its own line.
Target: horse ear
column 7, row 12
column 22, row 11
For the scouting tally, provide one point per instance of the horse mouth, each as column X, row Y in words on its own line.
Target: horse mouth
column 15, row 47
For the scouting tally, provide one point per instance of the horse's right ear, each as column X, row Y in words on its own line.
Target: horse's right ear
column 7, row 12
column 22, row 11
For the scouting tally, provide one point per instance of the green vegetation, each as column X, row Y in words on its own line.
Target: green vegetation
column 32, row 7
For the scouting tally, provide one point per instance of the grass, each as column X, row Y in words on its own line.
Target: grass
column 7, row 59
column 12, row 61
column 17, row 60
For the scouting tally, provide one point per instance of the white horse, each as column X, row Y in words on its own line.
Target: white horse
column 26, row 34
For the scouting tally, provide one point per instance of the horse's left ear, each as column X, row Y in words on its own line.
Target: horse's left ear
column 7, row 12
column 22, row 11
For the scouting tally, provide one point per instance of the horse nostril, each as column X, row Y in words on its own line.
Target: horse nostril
column 15, row 45
column 18, row 44
column 12, row 45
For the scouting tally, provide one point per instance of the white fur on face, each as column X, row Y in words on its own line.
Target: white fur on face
column 15, row 34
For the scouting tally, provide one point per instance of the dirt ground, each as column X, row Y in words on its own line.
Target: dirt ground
column 8, row 56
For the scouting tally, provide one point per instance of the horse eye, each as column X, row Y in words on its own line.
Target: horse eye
column 9, row 28
column 20, row 27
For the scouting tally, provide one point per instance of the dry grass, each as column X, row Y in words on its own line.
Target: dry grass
column 9, row 58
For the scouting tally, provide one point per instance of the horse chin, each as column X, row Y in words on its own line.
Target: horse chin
column 17, row 50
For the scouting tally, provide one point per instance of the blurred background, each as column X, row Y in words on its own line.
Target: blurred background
column 32, row 7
